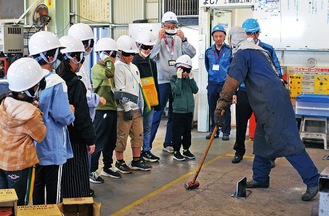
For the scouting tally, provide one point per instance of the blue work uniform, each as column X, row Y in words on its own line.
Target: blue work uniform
column 243, row 109
column 276, row 131
column 217, row 63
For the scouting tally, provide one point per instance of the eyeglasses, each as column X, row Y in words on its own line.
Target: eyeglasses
column 170, row 26
column 127, row 54
column 146, row 47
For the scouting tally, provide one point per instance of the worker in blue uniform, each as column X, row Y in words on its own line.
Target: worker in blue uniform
column 217, row 61
column 276, row 132
column 243, row 109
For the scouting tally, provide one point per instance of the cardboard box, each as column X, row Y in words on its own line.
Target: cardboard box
column 39, row 210
column 8, row 201
column 84, row 206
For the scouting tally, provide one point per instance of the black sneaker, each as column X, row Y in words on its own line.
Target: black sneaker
column 178, row 156
column 91, row 192
column 188, row 154
column 110, row 172
column 122, row 167
column 95, row 178
column 148, row 156
column 140, row 165
column 237, row 159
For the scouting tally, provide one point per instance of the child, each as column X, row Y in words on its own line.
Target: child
column 183, row 86
column 130, row 120
column 105, row 122
column 21, row 124
column 75, row 179
column 149, row 77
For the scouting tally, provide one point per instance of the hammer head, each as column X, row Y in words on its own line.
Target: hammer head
column 191, row 185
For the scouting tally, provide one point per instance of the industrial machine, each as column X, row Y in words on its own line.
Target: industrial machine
column 11, row 45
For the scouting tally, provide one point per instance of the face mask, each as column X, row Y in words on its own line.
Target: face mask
column 144, row 54
column 86, row 53
column 56, row 64
column 250, row 39
column 103, row 56
column 171, row 31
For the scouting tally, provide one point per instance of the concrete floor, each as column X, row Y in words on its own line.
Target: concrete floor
column 161, row 191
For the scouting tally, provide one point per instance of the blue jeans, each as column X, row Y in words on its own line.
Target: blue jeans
column 147, row 127
column 302, row 163
column 165, row 95
column 17, row 180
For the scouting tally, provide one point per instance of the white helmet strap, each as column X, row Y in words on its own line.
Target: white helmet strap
column 42, row 55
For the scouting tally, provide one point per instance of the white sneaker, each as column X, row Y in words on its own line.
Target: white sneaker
column 168, row 149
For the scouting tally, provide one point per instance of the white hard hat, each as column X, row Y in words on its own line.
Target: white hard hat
column 169, row 17
column 81, row 31
column 145, row 37
column 43, row 41
column 184, row 61
column 126, row 44
column 24, row 73
column 72, row 44
column 106, row 44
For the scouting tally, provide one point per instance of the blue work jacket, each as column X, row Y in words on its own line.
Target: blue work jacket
column 221, row 58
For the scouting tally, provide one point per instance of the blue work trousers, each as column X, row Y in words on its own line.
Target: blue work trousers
column 302, row 163
column 165, row 94
column 213, row 95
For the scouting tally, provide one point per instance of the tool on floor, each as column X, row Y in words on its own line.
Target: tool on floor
column 194, row 183
column 240, row 191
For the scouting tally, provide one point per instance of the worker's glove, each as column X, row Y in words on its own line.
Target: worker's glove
column 179, row 73
column 191, row 75
column 219, row 117
column 128, row 115
column 124, row 100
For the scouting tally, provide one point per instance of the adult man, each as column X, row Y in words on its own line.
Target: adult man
column 243, row 109
column 171, row 44
column 276, row 132
column 217, row 60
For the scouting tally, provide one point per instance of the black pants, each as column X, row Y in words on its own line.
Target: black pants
column 75, row 179
column 243, row 114
column 181, row 132
column 105, row 124
column 46, row 178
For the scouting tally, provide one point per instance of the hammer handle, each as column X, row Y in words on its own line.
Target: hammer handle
column 205, row 154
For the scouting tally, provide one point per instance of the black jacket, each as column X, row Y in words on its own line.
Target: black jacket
column 82, row 130
column 147, row 68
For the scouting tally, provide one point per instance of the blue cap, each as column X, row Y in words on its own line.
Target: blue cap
column 218, row 28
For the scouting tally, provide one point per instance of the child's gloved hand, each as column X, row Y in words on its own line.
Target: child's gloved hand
column 191, row 75
column 179, row 73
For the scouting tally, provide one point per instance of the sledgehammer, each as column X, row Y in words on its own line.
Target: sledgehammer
column 194, row 183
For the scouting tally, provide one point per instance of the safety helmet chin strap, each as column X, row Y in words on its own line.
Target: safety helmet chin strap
column 42, row 56
column 68, row 56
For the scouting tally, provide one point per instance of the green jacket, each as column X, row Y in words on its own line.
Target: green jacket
column 102, row 76
column 182, row 91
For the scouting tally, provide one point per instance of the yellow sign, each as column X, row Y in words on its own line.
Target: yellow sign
column 321, row 85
